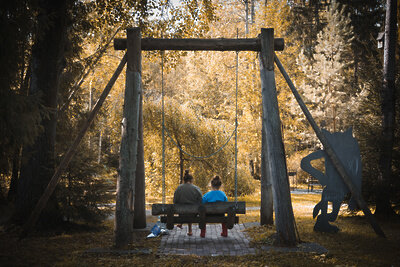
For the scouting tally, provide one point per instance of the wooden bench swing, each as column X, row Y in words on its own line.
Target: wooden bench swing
column 219, row 212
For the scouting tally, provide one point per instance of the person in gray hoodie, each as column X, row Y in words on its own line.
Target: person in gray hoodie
column 187, row 193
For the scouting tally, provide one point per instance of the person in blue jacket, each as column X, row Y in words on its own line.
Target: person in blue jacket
column 215, row 195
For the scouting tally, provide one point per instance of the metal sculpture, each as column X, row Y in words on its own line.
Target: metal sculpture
column 334, row 189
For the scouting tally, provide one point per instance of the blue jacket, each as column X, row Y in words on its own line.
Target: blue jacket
column 214, row 196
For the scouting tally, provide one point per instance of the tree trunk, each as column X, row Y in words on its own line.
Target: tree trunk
column 253, row 13
column 38, row 159
column 90, row 109
column 383, row 206
column 100, row 141
column 12, row 191
column 2, row 198
column 181, row 164
column 246, row 3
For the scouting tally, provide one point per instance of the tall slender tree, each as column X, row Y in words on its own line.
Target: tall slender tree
column 383, row 206
column 366, row 16
column 19, row 113
column 307, row 21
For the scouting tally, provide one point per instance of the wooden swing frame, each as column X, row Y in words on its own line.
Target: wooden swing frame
column 130, row 207
column 130, row 191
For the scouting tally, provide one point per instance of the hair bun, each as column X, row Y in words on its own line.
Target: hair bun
column 187, row 177
column 216, row 182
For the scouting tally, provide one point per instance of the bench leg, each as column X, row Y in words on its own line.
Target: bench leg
column 202, row 216
column 203, row 232
column 231, row 218
column 224, row 232
column 202, row 221
column 170, row 219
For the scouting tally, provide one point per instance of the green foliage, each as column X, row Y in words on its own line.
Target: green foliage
column 20, row 115
column 196, row 135
column 15, row 25
column 307, row 20
column 86, row 189
column 89, row 59
column 19, row 125
column 279, row 15
column 368, row 122
column 107, row 17
column 191, row 18
column 87, row 185
column 245, row 183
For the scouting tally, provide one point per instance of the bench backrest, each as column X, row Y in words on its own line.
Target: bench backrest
column 211, row 208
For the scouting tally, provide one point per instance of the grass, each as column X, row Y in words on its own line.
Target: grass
column 355, row 245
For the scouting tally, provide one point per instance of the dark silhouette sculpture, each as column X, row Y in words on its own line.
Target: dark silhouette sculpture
column 334, row 189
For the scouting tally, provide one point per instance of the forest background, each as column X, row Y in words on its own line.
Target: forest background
column 56, row 58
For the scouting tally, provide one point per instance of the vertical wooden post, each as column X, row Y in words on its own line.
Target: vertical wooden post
column 267, row 209
column 129, row 142
column 275, row 154
column 139, row 216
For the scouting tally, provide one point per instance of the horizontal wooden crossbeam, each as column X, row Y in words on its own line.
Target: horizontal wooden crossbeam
column 219, row 44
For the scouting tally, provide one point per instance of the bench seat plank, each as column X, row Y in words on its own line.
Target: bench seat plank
column 211, row 208
column 193, row 219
